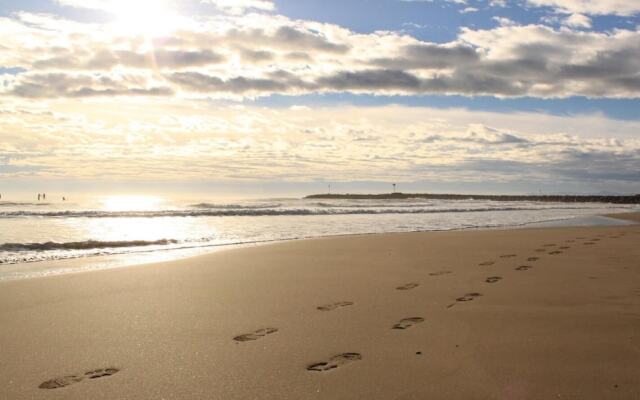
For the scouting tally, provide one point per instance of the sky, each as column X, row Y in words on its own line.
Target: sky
column 288, row 96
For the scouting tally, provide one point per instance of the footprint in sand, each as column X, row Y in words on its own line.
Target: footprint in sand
column 468, row 297
column 589, row 243
column 333, row 306
column 493, row 279
column 408, row 286
column 255, row 335
column 533, row 258
column 508, row 255
column 486, row 263
column 540, row 250
column 61, row 382
column 524, row 268
column 554, row 253
column 438, row 273
column 564, row 247
column 101, row 373
column 570, row 241
column 64, row 381
column 595, row 240
column 408, row 322
column 581, row 238
column 335, row 362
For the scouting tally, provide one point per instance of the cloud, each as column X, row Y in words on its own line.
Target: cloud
column 261, row 54
column 592, row 7
column 503, row 21
column 106, row 5
column 63, row 85
column 498, row 3
column 235, row 7
column 113, row 6
column 430, row 56
column 105, row 59
column 577, row 21
column 239, row 85
column 307, row 39
column 241, row 6
column 377, row 79
column 163, row 139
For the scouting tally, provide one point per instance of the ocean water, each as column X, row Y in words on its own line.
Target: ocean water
column 156, row 228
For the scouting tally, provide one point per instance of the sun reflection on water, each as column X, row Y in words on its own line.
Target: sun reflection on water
column 131, row 203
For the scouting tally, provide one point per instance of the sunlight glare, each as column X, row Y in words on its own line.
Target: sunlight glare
column 151, row 18
column 131, row 203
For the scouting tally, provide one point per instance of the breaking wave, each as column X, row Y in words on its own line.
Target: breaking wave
column 257, row 212
column 15, row 204
column 211, row 206
column 86, row 245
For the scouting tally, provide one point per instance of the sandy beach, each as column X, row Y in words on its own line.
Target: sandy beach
column 548, row 313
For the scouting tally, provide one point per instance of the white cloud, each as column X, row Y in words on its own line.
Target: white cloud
column 235, row 7
column 256, row 55
column 166, row 139
column 503, row 21
column 598, row 7
column 240, row 6
column 577, row 21
column 498, row 3
column 108, row 5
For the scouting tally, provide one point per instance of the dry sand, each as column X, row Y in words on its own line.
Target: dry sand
column 402, row 316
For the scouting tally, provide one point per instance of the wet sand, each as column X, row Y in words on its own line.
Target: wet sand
column 503, row 314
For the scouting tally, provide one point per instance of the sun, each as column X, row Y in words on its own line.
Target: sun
column 150, row 18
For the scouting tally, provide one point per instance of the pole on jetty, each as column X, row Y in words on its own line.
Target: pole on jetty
column 394, row 188
column 329, row 188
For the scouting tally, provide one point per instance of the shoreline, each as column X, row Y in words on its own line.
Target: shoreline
column 93, row 263
column 521, row 313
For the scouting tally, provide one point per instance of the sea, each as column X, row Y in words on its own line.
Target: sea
column 52, row 236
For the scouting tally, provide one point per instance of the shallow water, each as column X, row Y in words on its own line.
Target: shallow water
column 159, row 228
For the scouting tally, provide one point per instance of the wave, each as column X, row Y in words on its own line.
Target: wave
column 212, row 206
column 374, row 205
column 258, row 212
column 16, row 204
column 86, row 245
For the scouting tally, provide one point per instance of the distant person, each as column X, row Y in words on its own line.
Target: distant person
column 64, row 199
column 38, row 196
column 44, row 196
